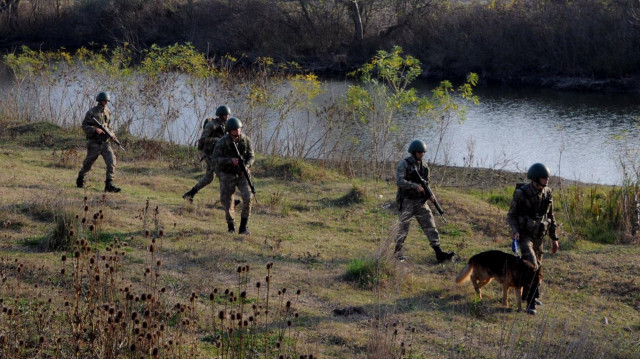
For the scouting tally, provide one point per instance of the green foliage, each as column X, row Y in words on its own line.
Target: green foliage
column 364, row 272
column 385, row 97
column 595, row 213
column 175, row 58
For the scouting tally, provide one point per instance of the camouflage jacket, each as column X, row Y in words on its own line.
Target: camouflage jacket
column 224, row 153
column 212, row 132
column 531, row 212
column 101, row 114
column 407, row 181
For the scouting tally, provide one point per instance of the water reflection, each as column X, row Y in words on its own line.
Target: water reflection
column 573, row 133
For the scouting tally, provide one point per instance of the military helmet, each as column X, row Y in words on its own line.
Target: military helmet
column 223, row 110
column 417, row 146
column 537, row 171
column 103, row 96
column 232, row 124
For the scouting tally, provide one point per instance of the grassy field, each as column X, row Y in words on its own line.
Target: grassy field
column 315, row 226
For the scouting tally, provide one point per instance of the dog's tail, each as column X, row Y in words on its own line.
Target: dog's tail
column 465, row 274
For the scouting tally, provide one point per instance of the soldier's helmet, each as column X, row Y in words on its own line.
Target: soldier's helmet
column 417, row 146
column 232, row 124
column 223, row 110
column 537, row 171
column 103, row 96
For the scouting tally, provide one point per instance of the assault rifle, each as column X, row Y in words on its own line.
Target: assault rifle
column 429, row 193
column 107, row 132
column 243, row 167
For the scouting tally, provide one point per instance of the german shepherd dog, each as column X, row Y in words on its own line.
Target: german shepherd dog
column 507, row 269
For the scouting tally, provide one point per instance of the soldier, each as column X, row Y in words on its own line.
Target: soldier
column 412, row 199
column 530, row 218
column 98, row 143
column 229, row 172
column 213, row 131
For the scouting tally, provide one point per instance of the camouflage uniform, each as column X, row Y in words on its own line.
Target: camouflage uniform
column 231, row 177
column 413, row 204
column 531, row 215
column 213, row 131
column 98, row 145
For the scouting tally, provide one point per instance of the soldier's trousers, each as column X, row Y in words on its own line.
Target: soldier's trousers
column 228, row 184
column 208, row 176
column 531, row 249
column 94, row 150
column 416, row 208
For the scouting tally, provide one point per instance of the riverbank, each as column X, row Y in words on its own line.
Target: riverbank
column 499, row 41
column 313, row 224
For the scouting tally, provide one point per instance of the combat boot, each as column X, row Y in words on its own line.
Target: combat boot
column 243, row 226
column 189, row 195
column 109, row 187
column 531, row 309
column 80, row 181
column 397, row 253
column 443, row 256
column 231, row 227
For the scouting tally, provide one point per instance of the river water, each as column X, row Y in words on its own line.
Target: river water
column 579, row 136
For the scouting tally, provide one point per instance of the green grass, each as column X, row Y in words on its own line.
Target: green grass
column 324, row 233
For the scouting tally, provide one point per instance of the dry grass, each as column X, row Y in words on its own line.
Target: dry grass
column 591, row 293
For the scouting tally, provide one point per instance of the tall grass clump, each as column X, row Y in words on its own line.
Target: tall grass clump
column 598, row 213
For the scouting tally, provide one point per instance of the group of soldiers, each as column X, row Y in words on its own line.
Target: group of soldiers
column 224, row 148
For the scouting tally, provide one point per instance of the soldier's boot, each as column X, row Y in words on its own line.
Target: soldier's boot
column 397, row 253
column 443, row 256
column 189, row 195
column 531, row 300
column 231, row 227
column 109, row 187
column 80, row 181
column 243, row 226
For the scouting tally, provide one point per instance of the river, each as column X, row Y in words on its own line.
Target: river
column 576, row 134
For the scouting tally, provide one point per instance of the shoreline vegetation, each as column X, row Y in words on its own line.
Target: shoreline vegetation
column 144, row 272
column 578, row 45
